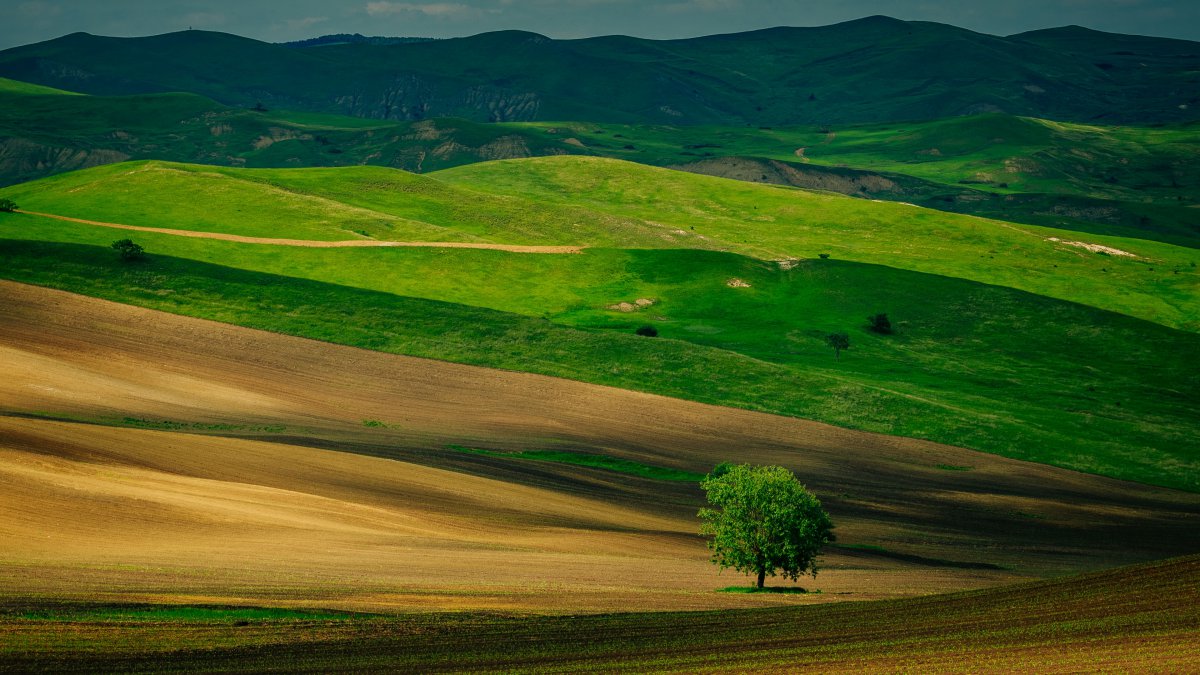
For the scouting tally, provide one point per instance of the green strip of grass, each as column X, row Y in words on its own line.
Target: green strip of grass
column 594, row 461
column 155, row 424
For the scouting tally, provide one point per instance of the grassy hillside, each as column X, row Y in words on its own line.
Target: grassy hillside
column 1159, row 282
column 42, row 135
column 872, row 69
column 997, row 153
column 976, row 366
column 1122, row 181
column 597, row 202
column 8, row 86
column 1139, row 618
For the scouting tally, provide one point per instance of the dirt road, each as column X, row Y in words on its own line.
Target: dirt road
column 309, row 243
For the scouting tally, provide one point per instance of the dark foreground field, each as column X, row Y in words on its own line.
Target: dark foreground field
column 1138, row 619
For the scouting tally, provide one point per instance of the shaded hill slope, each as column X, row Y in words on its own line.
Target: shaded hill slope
column 43, row 134
column 874, row 69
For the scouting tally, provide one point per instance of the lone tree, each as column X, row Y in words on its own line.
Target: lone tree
column 762, row 521
column 838, row 341
column 128, row 250
column 7, row 205
column 880, row 323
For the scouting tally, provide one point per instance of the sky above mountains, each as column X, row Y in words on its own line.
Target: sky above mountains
column 27, row 21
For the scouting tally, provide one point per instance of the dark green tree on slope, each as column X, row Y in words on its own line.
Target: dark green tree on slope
column 128, row 250
column 763, row 521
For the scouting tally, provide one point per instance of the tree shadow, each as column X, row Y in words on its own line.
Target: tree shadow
column 796, row 590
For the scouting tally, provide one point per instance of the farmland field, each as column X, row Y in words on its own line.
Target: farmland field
column 1065, row 625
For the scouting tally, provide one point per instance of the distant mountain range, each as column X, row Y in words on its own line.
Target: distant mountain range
column 870, row 70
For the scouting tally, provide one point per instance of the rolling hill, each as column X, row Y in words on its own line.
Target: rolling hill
column 869, row 70
column 43, row 134
column 197, row 470
column 741, row 315
column 159, row 458
column 1123, row 181
column 581, row 201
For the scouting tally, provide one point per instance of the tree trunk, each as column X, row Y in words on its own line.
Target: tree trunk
column 762, row 576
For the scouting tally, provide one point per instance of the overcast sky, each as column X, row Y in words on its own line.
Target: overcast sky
column 26, row 21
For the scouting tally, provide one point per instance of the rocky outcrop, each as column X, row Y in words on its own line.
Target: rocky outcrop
column 22, row 159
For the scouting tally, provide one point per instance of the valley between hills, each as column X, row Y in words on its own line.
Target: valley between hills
column 382, row 386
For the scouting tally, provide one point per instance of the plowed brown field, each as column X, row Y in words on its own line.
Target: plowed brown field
column 276, row 493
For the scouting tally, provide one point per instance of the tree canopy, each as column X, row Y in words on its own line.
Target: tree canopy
column 128, row 250
column 838, row 341
column 763, row 521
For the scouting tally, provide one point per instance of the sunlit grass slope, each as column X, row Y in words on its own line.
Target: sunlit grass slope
column 1159, row 282
column 8, row 86
column 972, row 365
column 601, row 202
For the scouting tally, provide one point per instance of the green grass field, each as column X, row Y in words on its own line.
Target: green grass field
column 600, row 202
column 1065, row 624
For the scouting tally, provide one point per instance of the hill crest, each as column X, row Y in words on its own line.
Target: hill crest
column 867, row 70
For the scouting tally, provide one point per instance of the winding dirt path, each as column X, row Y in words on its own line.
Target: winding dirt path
column 353, row 243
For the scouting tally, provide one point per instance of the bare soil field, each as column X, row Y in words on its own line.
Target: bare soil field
column 286, row 472
column 1137, row 619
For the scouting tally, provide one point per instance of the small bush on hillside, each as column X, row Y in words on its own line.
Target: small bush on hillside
column 128, row 250
column 838, row 341
column 879, row 323
column 7, row 205
column 823, row 256
column 647, row 331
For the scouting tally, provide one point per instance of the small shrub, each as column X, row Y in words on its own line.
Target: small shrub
column 838, row 341
column 879, row 323
column 7, row 205
column 128, row 250
column 647, row 331
column 823, row 256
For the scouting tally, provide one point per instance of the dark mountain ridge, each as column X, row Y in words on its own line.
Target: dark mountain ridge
column 868, row 70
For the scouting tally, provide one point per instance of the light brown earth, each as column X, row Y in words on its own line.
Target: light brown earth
column 329, row 512
column 310, row 243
